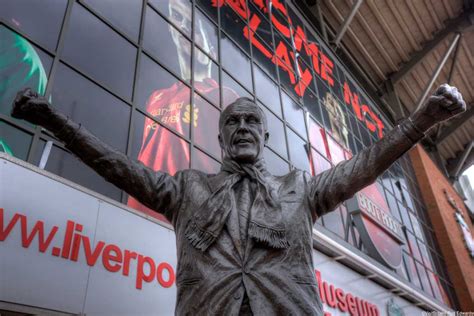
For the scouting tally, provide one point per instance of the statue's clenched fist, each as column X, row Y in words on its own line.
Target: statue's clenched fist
column 30, row 106
column 446, row 103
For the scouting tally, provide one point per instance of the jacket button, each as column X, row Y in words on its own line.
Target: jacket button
column 237, row 296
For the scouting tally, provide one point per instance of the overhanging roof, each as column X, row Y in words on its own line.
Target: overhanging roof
column 402, row 43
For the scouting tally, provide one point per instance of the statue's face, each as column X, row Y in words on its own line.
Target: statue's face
column 243, row 132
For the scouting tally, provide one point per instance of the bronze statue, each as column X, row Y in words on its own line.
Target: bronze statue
column 244, row 237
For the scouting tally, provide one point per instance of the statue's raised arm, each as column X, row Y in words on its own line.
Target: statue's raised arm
column 156, row 190
column 335, row 185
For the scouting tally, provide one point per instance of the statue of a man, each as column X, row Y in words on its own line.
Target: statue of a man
column 243, row 236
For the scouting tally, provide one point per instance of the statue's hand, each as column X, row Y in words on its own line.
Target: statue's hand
column 30, row 106
column 446, row 103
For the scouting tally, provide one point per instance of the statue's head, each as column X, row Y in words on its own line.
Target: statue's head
column 243, row 131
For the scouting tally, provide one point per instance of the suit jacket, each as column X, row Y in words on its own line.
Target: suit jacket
column 276, row 281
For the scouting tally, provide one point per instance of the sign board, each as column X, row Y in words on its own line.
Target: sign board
column 381, row 233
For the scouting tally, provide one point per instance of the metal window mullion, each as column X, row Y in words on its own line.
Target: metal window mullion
column 52, row 74
column 191, row 104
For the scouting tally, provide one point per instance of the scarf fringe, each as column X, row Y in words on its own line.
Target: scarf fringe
column 200, row 239
column 273, row 238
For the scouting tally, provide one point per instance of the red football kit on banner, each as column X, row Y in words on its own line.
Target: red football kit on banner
column 161, row 149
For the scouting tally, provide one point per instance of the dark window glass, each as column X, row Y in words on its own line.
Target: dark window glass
column 312, row 105
column 209, row 7
column 99, row 51
column 294, row 114
column 21, row 65
column 234, row 25
column 267, row 91
column 206, row 126
column 279, row 17
column 275, row 165
column 78, row 98
column 203, row 162
column 288, row 78
column 319, row 163
column 231, row 90
column 125, row 14
column 236, row 62
column 206, row 77
column 39, row 19
column 260, row 25
column 416, row 225
column 168, row 44
column 262, row 54
column 67, row 166
column 177, row 11
column 206, row 34
column 163, row 96
column 276, row 140
column 392, row 204
column 299, row 151
column 13, row 141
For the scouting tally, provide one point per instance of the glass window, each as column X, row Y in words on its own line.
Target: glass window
column 267, row 91
column 68, row 166
column 336, row 150
column 299, row 151
column 157, row 147
column 206, row 34
column 424, row 278
column 209, row 7
column 275, row 165
column 28, row 15
column 206, row 126
column 337, row 122
column 317, row 137
column 13, row 141
column 21, row 65
column 165, row 42
column 260, row 25
column 203, row 162
column 333, row 222
column 311, row 103
column 99, row 51
column 294, row 114
column 206, row 77
column 125, row 14
column 236, row 62
column 163, row 96
column 234, row 23
column 319, row 163
column 276, row 141
column 231, row 90
column 410, row 263
column 287, row 77
column 78, row 98
column 179, row 12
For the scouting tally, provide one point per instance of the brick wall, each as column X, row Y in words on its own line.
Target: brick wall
column 448, row 233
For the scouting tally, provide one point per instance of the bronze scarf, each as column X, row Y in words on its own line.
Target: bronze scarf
column 266, row 222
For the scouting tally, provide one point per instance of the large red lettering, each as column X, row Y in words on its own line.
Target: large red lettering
column 159, row 274
column 326, row 69
column 37, row 229
column 249, row 33
column 112, row 253
column 305, row 78
column 282, row 59
column 5, row 232
column 91, row 256
column 278, row 25
column 141, row 276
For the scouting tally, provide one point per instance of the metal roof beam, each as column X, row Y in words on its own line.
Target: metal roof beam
column 457, row 165
column 457, row 24
column 346, row 23
column 455, row 124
